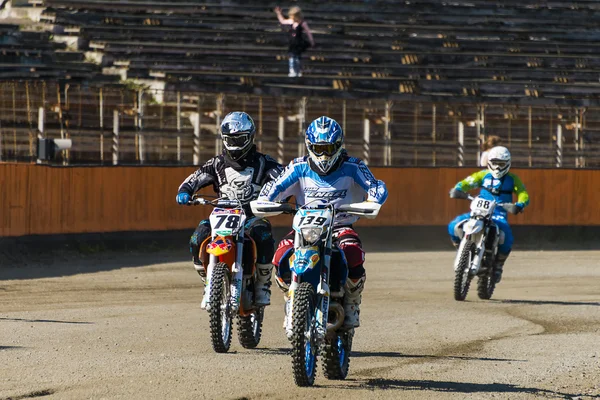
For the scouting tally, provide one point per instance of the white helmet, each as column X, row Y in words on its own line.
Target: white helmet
column 499, row 161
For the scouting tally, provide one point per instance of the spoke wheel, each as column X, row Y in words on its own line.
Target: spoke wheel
column 336, row 355
column 304, row 339
column 487, row 283
column 462, row 277
column 250, row 328
column 221, row 318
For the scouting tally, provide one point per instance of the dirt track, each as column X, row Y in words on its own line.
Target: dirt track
column 137, row 332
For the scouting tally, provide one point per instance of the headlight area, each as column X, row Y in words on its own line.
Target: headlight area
column 311, row 235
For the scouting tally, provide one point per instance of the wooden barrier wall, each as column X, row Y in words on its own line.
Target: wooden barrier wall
column 52, row 200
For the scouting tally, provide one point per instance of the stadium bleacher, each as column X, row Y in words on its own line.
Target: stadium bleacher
column 514, row 68
column 520, row 52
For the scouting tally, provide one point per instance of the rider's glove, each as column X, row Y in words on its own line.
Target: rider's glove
column 457, row 194
column 183, row 198
column 520, row 207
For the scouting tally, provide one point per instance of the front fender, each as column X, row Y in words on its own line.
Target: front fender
column 304, row 259
column 473, row 226
column 305, row 264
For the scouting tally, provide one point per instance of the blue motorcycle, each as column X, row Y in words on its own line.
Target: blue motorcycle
column 317, row 290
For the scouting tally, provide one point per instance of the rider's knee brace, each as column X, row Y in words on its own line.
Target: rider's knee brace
column 281, row 259
column 349, row 242
column 260, row 231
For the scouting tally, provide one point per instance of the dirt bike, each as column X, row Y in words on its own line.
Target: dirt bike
column 316, row 301
column 230, row 283
column 478, row 248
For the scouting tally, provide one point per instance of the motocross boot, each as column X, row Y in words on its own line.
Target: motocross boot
column 500, row 260
column 352, row 300
column 262, row 286
column 199, row 267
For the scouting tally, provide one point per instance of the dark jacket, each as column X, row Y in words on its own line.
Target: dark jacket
column 241, row 179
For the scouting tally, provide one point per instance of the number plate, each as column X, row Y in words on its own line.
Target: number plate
column 481, row 206
column 227, row 222
column 306, row 218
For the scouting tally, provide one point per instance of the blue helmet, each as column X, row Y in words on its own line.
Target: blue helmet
column 237, row 132
column 324, row 140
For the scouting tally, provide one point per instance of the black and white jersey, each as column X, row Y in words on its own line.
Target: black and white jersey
column 241, row 179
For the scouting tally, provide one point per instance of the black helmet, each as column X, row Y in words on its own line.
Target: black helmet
column 237, row 132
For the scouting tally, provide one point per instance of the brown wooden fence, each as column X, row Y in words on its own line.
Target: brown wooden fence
column 51, row 200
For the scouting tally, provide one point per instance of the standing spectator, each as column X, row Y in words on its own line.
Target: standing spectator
column 491, row 141
column 300, row 37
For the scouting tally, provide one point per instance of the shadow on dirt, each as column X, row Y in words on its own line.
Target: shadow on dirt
column 53, row 321
column 11, row 347
column 548, row 302
column 393, row 354
column 69, row 263
column 454, row 387
column 31, row 395
column 46, row 256
column 282, row 351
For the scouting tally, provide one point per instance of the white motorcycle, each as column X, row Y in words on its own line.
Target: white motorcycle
column 478, row 248
column 230, row 283
column 316, row 302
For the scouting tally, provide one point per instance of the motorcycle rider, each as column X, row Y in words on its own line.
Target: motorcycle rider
column 238, row 173
column 329, row 173
column 497, row 184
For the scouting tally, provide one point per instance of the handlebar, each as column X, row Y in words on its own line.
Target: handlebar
column 349, row 209
column 223, row 203
column 509, row 207
column 283, row 208
column 269, row 208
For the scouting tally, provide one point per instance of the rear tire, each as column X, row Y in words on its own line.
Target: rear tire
column 250, row 328
column 462, row 278
column 336, row 355
column 221, row 320
column 304, row 343
column 486, row 284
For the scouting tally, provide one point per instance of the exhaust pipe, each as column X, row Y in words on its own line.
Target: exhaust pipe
column 337, row 311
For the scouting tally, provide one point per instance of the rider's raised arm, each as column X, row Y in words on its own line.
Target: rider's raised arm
column 520, row 191
column 204, row 176
column 283, row 186
column 473, row 181
column 375, row 189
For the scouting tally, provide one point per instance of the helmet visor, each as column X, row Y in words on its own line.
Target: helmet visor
column 498, row 165
column 232, row 141
column 320, row 149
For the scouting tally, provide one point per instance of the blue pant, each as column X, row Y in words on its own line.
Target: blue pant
column 499, row 219
column 294, row 62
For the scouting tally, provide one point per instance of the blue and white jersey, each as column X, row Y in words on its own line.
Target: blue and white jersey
column 351, row 182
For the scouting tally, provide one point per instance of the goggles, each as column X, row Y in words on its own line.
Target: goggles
column 320, row 149
column 236, row 140
column 498, row 164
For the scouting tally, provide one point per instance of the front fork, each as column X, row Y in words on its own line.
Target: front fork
column 323, row 293
column 475, row 262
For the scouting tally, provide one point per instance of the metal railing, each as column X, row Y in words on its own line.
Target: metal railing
column 136, row 125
